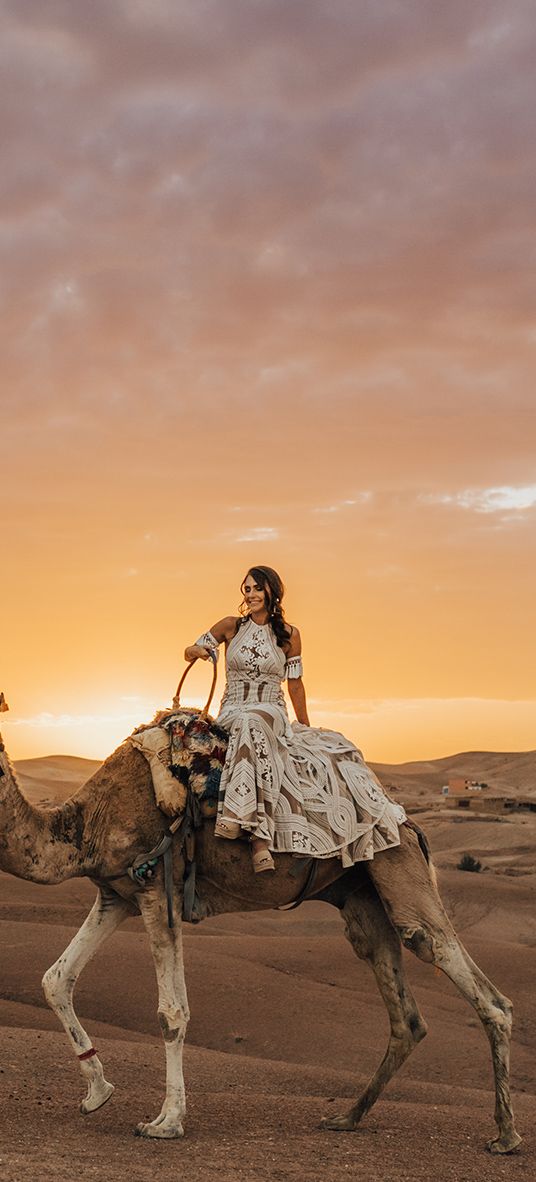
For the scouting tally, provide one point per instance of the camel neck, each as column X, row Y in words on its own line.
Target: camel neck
column 42, row 845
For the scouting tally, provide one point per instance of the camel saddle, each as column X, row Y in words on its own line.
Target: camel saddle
column 186, row 753
column 185, row 749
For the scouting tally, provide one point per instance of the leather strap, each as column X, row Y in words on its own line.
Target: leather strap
column 308, row 887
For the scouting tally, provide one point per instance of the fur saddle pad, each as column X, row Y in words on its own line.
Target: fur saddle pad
column 186, row 751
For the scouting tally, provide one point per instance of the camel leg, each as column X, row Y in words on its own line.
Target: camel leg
column 406, row 884
column 173, row 1013
column 108, row 911
column 374, row 939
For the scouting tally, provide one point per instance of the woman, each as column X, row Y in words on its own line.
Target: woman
column 291, row 788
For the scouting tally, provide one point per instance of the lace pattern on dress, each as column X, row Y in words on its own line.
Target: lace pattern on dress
column 255, row 652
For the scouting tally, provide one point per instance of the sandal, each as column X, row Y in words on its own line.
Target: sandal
column 225, row 828
column 262, row 860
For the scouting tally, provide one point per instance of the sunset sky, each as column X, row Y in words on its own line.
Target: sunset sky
column 268, row 295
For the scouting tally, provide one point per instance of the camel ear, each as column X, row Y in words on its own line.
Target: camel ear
column 3, row 703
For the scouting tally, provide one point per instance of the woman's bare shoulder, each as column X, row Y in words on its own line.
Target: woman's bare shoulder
column 225, row 628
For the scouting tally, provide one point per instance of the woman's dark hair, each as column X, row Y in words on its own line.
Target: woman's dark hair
column 269, row 580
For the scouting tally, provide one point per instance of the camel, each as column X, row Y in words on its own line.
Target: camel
column 385, row 904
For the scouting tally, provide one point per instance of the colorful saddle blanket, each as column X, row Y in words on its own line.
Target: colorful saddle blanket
column 186, row 751
column 197, row 749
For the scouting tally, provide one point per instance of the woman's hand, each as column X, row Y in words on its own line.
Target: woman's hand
column 197, row 650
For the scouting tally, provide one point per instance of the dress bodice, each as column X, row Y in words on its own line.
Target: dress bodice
column 255, row 667
column 253, row 653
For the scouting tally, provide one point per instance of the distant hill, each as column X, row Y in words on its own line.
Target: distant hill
column 508, row 772
column 55, row 777
column 52, row 779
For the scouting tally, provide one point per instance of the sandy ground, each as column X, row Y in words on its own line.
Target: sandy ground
column 286, row 1026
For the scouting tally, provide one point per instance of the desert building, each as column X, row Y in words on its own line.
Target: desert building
column 479, row 796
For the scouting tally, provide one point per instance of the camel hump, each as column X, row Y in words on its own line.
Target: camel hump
column 3, row 703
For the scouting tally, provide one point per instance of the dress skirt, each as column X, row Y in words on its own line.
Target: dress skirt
column 303, row 789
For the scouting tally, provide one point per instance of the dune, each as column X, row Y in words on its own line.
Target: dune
column 55, row 777
column 512, row 773
column 51, row 779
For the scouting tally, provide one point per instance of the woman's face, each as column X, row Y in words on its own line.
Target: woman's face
column 254, row 594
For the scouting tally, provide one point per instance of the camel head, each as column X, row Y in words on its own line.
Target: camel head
column 3, row 706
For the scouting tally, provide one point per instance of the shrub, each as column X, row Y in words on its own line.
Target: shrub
column 467, row 862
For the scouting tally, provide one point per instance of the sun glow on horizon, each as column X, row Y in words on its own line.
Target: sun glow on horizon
column 391, row 731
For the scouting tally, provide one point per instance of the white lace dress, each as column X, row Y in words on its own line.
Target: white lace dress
column 304, row 789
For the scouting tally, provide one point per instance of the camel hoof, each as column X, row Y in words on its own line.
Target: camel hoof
column 166, row 1132
column 339, row 1124
column 508, row 1145
column 96, row 1097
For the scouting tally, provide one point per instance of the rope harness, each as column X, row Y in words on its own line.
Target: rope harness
column 143, row 868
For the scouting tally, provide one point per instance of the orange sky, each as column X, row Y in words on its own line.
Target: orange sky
column 268, row 277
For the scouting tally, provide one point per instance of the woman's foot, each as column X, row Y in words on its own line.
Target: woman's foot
column 261, row 857
column 226, row 828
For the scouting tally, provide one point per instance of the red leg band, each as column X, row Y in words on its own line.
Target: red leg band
column 88, row 1054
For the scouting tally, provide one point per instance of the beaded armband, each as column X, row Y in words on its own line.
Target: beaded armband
column 209, row 641
column 294, row 668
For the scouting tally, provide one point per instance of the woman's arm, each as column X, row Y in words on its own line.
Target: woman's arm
column 296, row 691
column 223, row 630
column 296, row 687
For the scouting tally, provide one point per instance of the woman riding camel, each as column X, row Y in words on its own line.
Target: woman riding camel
column 290, row 788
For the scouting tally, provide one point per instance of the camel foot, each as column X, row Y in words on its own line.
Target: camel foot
column 98, row 1094
column 165, row 1127
column 345, row 1123
column 504, row 1144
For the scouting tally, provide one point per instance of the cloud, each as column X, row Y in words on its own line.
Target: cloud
column 348, row 227
column 262, row 533
column 488, row 500
column 361, row 498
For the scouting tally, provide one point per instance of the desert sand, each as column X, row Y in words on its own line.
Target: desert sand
column 286, row 1023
